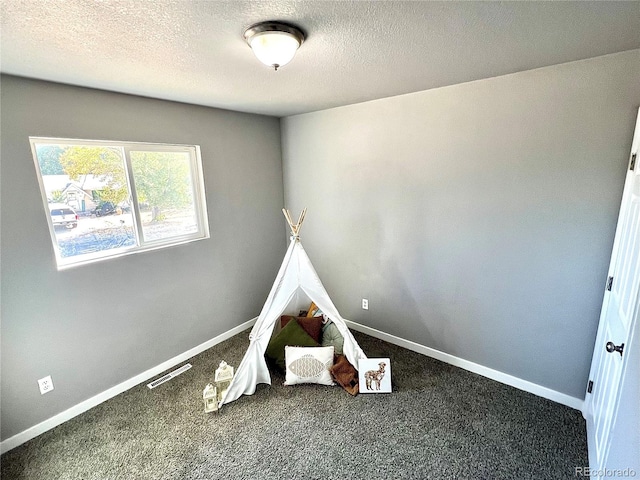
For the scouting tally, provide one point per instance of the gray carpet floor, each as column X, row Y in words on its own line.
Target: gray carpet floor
column 440, row 422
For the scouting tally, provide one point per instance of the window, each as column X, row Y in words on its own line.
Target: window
column 105, row 199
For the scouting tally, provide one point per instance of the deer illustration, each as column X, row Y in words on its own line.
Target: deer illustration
column 375, row 377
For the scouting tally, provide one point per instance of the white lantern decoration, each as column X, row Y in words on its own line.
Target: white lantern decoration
column 210, row 397
column 223, row 377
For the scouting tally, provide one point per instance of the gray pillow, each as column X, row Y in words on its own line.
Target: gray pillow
column 331, row 336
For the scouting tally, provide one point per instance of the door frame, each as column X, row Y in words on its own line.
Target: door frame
column 599, row 347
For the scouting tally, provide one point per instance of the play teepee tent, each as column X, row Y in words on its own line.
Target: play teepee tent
column 296, row 286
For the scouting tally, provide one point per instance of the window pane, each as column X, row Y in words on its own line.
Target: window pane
column 88, row 198
column 165, row 193
column 105, row 199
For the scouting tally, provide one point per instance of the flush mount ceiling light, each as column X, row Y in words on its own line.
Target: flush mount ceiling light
column 274, row 43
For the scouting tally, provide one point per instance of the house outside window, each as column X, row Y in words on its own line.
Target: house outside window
column 105, row 199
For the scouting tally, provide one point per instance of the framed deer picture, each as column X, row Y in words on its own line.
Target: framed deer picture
column 374, row 375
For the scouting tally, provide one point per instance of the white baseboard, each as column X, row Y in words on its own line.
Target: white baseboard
column 82, row 407
column 501, row 377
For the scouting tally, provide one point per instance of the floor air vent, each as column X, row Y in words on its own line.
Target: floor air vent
column 169, row 376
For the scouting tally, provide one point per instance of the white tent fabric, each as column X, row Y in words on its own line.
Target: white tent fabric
column 296, row 286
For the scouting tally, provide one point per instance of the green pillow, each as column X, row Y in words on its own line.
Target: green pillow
column 292, row 334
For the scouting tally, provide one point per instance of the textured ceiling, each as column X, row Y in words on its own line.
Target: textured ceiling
column 193, row 51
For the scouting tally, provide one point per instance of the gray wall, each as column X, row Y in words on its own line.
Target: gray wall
column 95, row 326
column 478, row 219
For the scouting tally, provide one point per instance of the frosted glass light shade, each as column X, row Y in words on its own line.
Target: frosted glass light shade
column 274, row 49
column 274, row 44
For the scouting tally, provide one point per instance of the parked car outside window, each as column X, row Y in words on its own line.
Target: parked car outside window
column 106, row 208
column 63, row 215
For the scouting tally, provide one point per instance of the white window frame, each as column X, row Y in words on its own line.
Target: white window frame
column 141, row 245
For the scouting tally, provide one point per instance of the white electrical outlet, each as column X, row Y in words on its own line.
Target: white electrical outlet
column 365, row 304
column 45, row 384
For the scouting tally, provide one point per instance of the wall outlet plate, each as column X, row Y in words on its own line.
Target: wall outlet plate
column 365, row 304
column 45, row 384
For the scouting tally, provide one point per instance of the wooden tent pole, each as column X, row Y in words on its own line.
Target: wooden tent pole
column 295, row 228
column 287, row 216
